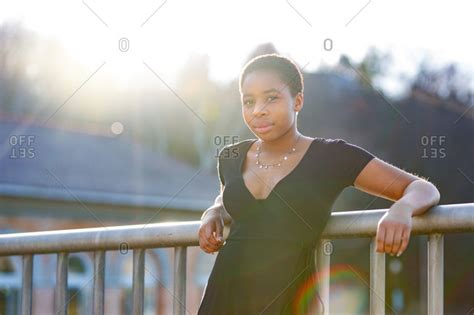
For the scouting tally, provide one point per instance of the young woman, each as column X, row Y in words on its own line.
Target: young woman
column 277, row 192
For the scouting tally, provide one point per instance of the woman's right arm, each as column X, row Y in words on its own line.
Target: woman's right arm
column 218, row 208
column 211, row 231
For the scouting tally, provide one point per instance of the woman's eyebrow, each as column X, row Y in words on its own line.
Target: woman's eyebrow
column 271, row 90
column 265, row 92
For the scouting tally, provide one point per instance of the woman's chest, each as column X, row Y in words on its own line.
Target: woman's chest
column 302, row 191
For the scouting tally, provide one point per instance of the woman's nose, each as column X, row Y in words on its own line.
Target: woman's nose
column 260, row 108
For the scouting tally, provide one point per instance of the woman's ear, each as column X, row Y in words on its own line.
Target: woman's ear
column 299, row 100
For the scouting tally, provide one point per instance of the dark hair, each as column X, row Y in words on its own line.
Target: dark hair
column 288, row 71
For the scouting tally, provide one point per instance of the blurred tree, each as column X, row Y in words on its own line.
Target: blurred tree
column 447, row 83
column 14, row 53
column 201, row 95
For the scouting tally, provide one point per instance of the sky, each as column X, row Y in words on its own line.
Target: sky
column 162, row 34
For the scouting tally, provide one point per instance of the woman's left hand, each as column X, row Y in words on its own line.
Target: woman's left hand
column 393, row 231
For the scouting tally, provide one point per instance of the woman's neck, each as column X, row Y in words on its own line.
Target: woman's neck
column 282, row 144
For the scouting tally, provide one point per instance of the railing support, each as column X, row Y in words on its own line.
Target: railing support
column 179, row 301
column 60, row 293
column 99, row 275
column 27, row 285
column 323, row 265
column 377, row 280
column 138, row 280
column 435, row 273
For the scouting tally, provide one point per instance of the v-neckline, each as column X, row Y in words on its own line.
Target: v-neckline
column 242, row 162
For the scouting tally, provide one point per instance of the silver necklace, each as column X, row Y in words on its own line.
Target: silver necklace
column 285, row 157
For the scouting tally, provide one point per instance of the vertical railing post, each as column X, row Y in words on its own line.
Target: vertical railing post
column 423, row 273
column 27, row 285
column 377, row 280
column 435, row 273
column 60, row 293
column 99, row 277
column 323, row 265
column 138, row 285
column 179, row 301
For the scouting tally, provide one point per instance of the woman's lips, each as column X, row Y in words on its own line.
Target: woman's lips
column 263, row 128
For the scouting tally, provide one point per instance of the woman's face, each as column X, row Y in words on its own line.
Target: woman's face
column 267, row 105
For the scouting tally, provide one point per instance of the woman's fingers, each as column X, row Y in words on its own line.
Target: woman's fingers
column 388, row 240
column 393, row 242
column 218, row 234
column 208, row 233
column 405, row 240
column 208, row 240
column 397, row 241
column 380, row 239
column 207, row 247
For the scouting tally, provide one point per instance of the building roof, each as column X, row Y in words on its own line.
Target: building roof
column 42, row 162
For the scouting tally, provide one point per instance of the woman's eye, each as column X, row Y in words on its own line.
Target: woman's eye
column 271, row 98
column 248, row 103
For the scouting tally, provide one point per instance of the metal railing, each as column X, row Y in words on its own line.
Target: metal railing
column 454, row 218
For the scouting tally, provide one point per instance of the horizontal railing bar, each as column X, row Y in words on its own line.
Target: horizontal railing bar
column 109, row 238
column 454, row 218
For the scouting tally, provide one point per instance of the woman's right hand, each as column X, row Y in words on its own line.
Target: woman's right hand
column 211, row 237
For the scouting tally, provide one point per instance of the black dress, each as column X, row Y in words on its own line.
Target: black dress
column 267, row 264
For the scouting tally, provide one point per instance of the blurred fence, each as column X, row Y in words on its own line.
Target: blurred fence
column 439, row 220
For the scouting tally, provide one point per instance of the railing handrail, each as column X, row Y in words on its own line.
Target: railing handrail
column 453, row 218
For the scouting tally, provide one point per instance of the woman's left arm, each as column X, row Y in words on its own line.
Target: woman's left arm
column 411, row 194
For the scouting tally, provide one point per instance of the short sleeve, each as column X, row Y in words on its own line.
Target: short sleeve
column 222, row 161
column 350, row 161
column 220, row 171
column 227, row 156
